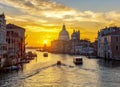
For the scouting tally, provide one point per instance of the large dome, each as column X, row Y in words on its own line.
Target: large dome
column 64, row 35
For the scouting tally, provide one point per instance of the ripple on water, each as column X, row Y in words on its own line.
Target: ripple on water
column 42, row 73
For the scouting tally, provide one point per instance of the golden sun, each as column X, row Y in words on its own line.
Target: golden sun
column 45, row 41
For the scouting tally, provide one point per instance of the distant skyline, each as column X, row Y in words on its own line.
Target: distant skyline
column 43, row 19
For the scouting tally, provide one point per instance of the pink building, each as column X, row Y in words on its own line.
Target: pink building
column 104, row 32
column 15, row 38
column 110, row 45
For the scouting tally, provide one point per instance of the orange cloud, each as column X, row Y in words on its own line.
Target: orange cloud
column 43, row 19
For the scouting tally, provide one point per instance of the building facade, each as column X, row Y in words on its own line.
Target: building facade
column 62, row 44
column 75, row 42
column 59, row 46
column 75, row 35
column 3, row 44
column 16, row 43
column 109, row 43
column 73, row 46
column 104, row 32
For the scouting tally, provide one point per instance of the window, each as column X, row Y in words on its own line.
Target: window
column 117, row 39
column 9, row 40
column 116, row 47
column 0, row 37
column 4, row 47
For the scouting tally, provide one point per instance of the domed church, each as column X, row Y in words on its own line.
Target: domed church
column 64, row 35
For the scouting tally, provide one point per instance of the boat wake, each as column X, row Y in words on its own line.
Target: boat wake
column 37, row 71
column 16, row 80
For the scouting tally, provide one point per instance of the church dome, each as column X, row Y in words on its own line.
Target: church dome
column 64, row 35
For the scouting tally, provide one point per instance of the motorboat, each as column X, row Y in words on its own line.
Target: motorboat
column 12, row 68
column 78, row 60
column 25, row 61
column 45, row 54
column 30, row 54
column 58, row 62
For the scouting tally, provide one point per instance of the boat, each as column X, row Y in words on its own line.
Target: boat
column 40, row 50
column 11, row 68
column 91, row 57
column 25, row 61
column 30, row 54
column 78, row 60
column 45, row 54
column 58, row 62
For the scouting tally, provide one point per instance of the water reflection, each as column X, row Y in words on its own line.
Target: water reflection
column 42, row 72
column 109, row 73
column 109, row 63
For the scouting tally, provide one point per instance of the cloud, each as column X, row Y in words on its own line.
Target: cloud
column 39, row 6
column 44, row 10
column 49, row 11
column 48, row 16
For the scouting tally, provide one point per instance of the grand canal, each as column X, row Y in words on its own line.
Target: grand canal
column 41, row 72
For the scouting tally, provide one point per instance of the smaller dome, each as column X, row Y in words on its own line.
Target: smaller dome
column 75, row 35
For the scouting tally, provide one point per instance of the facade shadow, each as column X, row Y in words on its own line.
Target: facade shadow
column 109, row 63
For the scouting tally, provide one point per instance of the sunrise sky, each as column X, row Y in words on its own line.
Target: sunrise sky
column 43, row 19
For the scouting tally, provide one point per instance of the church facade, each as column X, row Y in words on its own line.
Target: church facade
column 71, row 45
column 64, row 35
column 64, row 44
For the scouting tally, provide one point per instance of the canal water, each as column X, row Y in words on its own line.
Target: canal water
column 42, row 72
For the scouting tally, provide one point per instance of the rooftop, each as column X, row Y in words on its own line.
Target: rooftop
column 12, row 26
